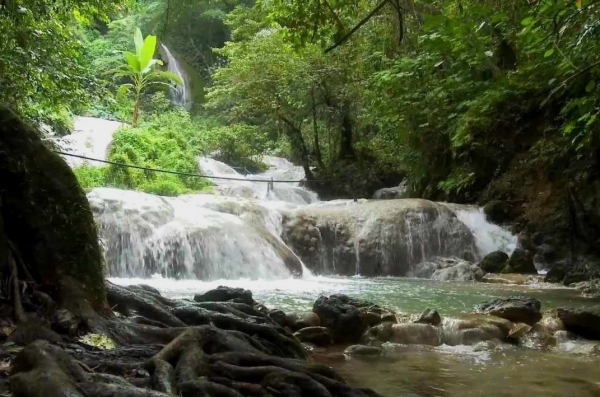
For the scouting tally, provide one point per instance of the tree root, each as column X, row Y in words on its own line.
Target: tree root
column 222, row 350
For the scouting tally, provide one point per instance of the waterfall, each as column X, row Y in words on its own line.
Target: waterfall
column 180, row 93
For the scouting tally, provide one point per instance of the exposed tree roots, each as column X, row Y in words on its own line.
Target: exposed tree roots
column 177, row 348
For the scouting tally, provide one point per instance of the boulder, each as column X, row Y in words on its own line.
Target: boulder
column 551, row 324
column 318, row 336
column 521, row 261
column 405, row 333
column 363, row 351
column 497, row 211
column 341, row 317
column 279, row 317
column 494, row 262
column 518, row 309
column 464, row 271
column 390, row 193
column 429, row 316
column 310, row 320
column 584, row 322
column 224, row 294
column 472, row 329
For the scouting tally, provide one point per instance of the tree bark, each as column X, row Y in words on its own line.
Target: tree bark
column 299, row 146
column 346, row 131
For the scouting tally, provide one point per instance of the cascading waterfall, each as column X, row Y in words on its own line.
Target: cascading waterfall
column 249, row 231
column 180, row 93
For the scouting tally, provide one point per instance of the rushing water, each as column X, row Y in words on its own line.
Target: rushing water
column 181, row 92
column 251, row 236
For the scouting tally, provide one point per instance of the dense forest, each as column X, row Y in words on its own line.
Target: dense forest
column 464, row 101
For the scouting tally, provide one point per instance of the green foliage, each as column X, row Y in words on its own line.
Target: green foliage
column 140, row 69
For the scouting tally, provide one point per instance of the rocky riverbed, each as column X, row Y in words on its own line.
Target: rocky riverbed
column 224, row 343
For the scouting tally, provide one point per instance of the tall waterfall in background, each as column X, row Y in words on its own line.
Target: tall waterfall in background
column 181, row 93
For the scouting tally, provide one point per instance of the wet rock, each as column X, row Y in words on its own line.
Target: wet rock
column 584, row 322
column 310, row 320
column 318, row 336
column 518, row 330
column 472, row 329
column 406, row 333
column 589, row 288
column 494, row 262
column 427, row 269
column 519, row 309
column 279, row 317
column 464, row 271
column 224, row 294
column 546, row 254
column 341, row 318
column 389, row 318
column 551, row 324
column 363, row 351
column 497, row 211
column 429, row 316
column 574, row 277
column 370, row 318
column 557, row 272
column 390, row 193
column 521, row 261
column 539, row 340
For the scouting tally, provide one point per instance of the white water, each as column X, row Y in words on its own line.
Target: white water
column 91, row 138
column 238, row 233
column 181, row 92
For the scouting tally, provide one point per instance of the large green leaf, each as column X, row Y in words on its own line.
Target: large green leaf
column 138, row 39
column 165, row 75
column 151, row 64
column 123, row 90
column 147, row 52
column 133, row 61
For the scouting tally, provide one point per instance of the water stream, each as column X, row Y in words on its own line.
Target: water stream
column 181, row 93
column 288, row 248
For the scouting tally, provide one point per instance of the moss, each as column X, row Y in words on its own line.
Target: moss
column 47, row 216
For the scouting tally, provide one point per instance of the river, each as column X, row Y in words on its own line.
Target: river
column 288, row 248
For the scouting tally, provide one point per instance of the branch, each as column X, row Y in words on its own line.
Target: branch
column 565, row 81
column 355, row 28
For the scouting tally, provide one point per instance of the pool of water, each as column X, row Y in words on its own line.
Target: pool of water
column 568, row 370
column 400, row 294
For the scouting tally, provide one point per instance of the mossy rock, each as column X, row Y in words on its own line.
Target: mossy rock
column 521, row 261
column 48, row 219
column 494, row 262
column 497, row 211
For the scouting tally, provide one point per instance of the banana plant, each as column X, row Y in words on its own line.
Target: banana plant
column 141, row 69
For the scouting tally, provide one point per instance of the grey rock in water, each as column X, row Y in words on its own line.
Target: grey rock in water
column 224, row 294
column 363, row 351
column 318, row 336
column 494, row 262
column 390, row 193
column 584, row 322
column 374, row 238
column 341, row 318
column 463, row 271
column 429, row 316
column 497, row 211
column 518, row 309
column 521, row 261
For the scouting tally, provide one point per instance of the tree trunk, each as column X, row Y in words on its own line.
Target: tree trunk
column 346, row 146
column 47, row 220
column 299, row 146
column 136, row 112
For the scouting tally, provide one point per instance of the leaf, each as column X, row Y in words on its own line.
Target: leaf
column 150, row 65
column 549, row 53
column 165, row 75
column 590, row 86
column 527, row 21
column 578, row 3
column 489, row 53
column 147, row 51
column 123, row 90
column 133, row 61
column 138, row 39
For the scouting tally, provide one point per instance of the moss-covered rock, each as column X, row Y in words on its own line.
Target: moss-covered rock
column 497, row 211
column 521, row 261
column 494, row 262
column 48, row 219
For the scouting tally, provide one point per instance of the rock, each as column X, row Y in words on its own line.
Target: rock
column 406, row 333
column 518, row 309
column 512, row 278
column 574, row 277
column 224, row 294
column 370, row 318
column 518, row 330
column 584, row 322
column 427, row 269
column 472, row 329
column 537, row 339
column 363, row 351
column 464, row 271
column 494, row 262
column 590, row 289
column 551, row 324
column 497, row 211
column 557, row 272
column 279, row 317
column 521, row 261
column 341, row 318
column 318, row 336
column 310, row 320
column 546, row 254
column 429, row 316
column 389, row 318
column 390, row 193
